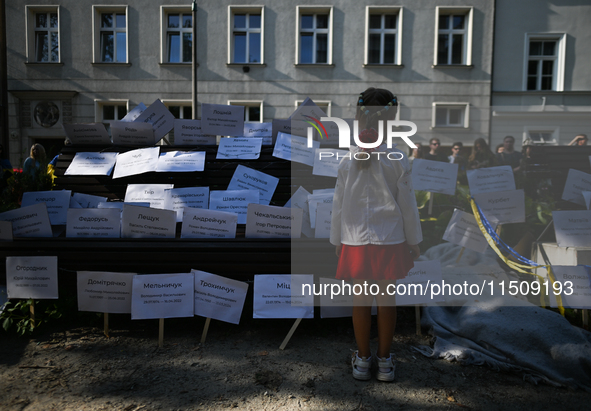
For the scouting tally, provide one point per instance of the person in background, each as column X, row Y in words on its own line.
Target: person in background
column 416, row 153
column 579, row 140
column 509, row 157
column 500, row 148
column 456, row 157
column 434, row 153
column 5, row 168
column 35, row 160
column 481, row 155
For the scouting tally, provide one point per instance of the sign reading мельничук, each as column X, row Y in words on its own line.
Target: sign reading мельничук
column 434, row 176
column 104, row 292
column 162, row 296
column 222, row 120
column 572, row 228
column 31, row 277
column 31, row 221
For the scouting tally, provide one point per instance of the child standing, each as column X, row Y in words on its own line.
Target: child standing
column 376, row 229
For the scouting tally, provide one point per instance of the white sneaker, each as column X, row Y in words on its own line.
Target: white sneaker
column 386, row 368
column 361, row 367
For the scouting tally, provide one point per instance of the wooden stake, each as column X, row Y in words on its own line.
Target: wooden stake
column 32, row 312
column 205, row 328
column 498, row 230
column 290, row 333
column 161, row 333
column 430, row 209
column 106, row 324
column 460, row 255
column 418, row 318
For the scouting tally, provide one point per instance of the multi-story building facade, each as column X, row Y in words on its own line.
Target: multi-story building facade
column 78, row 61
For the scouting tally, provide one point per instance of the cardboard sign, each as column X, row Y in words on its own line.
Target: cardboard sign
column 300, row 200
column 159, row 117
column 463, row 230
column 576, row 286
column 177, row 199
column 323, row 217
column 234, row 201
column 189, row 133
column 57, row 203
column 434, row 176
column 313, row 201
column 156, row 195
column 489, row 179
column 263, row 130
column 138, row 161
column 91, row 164
column 142, row 222
column 502, row 207
column 572, row 228
column 181, row 161
column 239, row 148
column 245, row 178
column 576, row 183
column 87, row 134
column 199, row 223
column 218, row 297
column 276, row 297
column 412, row 289
column 87, row 200
column 222, row 120
column 104, row 292
column 94, row 223
column 132, row 133
column 162, row 296
column 327, row 160
column 273, row 222
column 32, row 221
column 134, row 113
column 6, row 231
column 295, row 148
column 31, row 277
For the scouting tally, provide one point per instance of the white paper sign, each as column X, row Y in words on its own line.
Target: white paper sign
column 245, row 178
column 137, row 161
column 239, row 148
column 275, row 297
column 181, row 161
column 87, row 200
column 159, row 117
column 484, row 180
column 32, row 221
column 91, row 164
column 94, row 223
column 323, row 217
column 6, row 231
column 199, row 223
column 132, row 133
column 105, row 292
column 273, row 222
column 434, row 176
column 502, row 207
column 177, row 199
column 57, row 203
column 313, row 201
column 572, row 228
column 87, row 134
column 576, row 286
column 134, row 113
column 155, row 194
column 416, row 283
column 263, row 130
column 31, row 277
column 189, row 133
column 233, row 201
column 587, row 197
column 142, row 222
column 222, row 120
column 218, row 297
column 326, row 161
column 162, row 296
column 300, row 200
column 294, row 148
column 463, row 230
column 576, row 183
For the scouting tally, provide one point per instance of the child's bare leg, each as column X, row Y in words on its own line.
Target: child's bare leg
column 362, row 322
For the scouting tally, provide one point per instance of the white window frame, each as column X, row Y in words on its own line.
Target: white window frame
column 555, row 131
column 467, row 32
column 179, row 103
column 300, row 10
column 325, row 105
column 98, row 109
column 465, row 123
column 559, row 62
column 31, row 30
column 96, row 32
column 164, row 12
column 233, row 10
column 249, row 103
column 383, row 10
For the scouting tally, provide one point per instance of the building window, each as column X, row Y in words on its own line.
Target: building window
column 314, row 39
column 110, row 34
column 180, row 109
column 544, row 63
column 541, row 135
column 253, row 110
column 325, row 105
column 43, row 34
column 382, row 43
column 177, row 34
column 108, row 111
column 450, row 115
column 245, row 33
column 453, row 42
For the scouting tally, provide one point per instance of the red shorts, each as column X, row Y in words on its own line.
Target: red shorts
column 374, row 262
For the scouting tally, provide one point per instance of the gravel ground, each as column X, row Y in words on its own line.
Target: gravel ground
column 242, row 367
